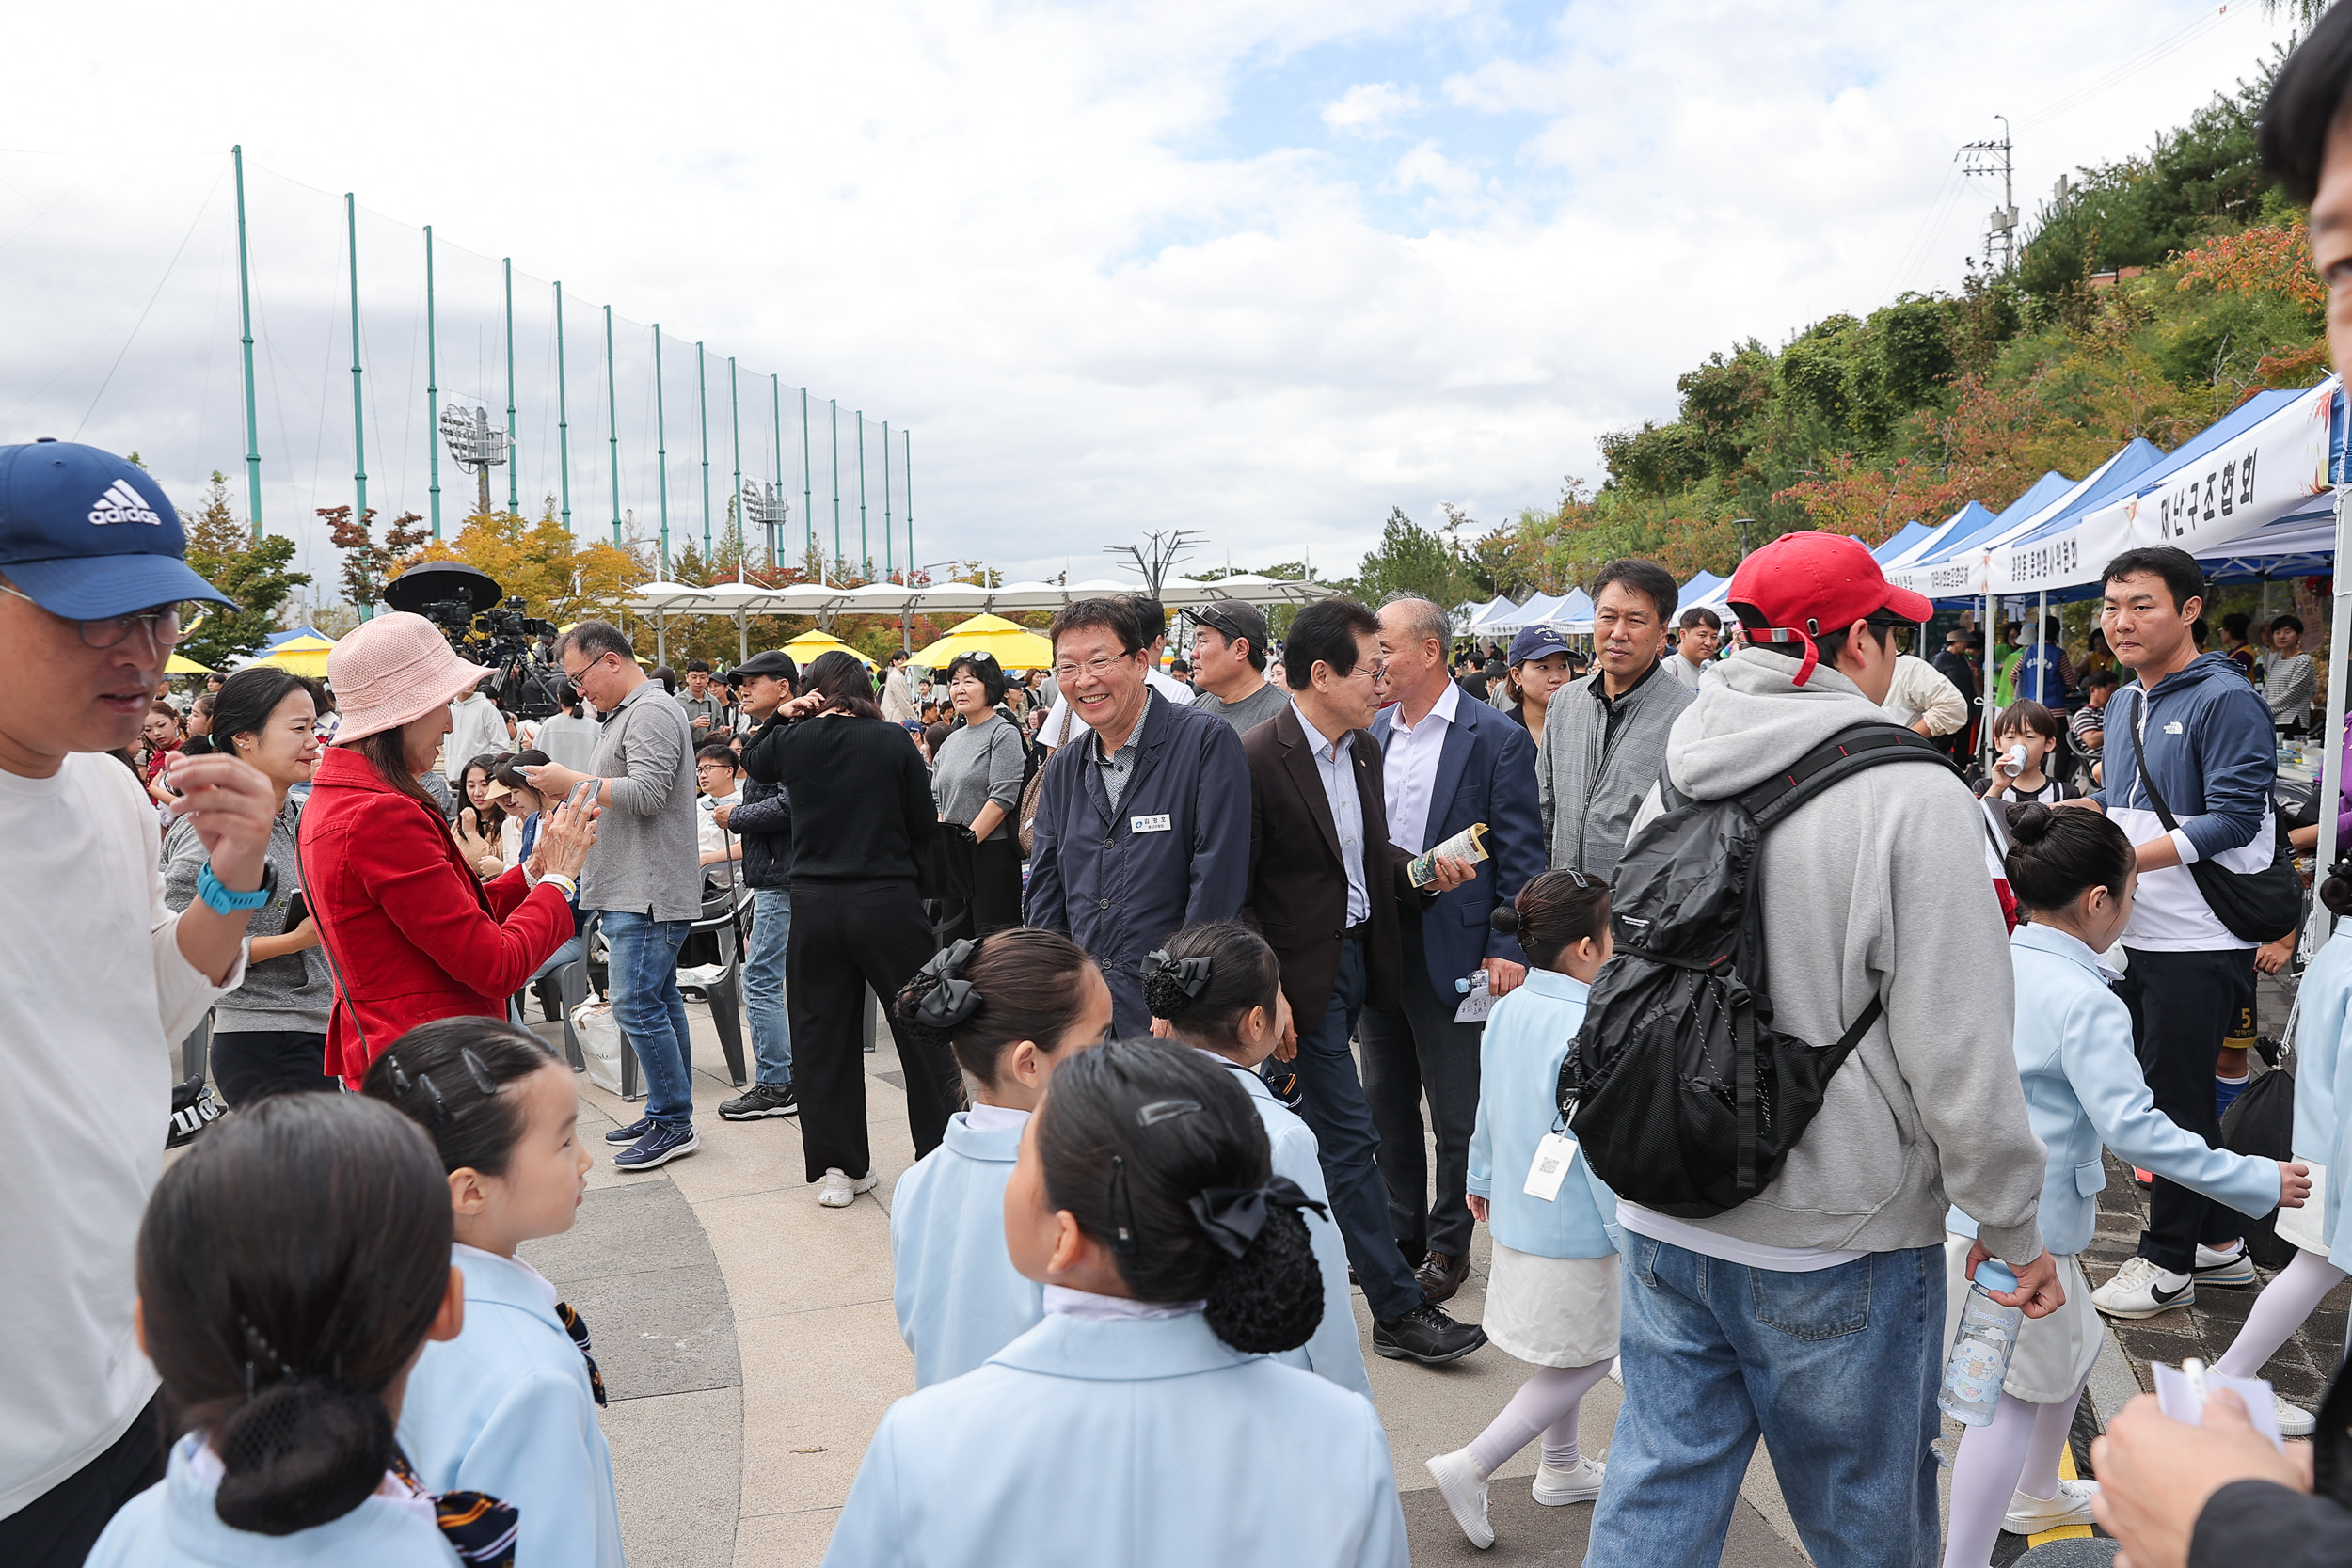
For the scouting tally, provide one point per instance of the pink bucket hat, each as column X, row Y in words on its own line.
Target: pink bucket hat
column 395, row 667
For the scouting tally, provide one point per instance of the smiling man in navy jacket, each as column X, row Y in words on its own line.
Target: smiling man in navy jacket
column 1447, row 762
column 1143, row 828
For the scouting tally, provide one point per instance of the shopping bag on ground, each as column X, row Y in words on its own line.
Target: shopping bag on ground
column 600, row 1043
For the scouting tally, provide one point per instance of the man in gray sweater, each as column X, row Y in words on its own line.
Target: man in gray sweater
column 644, row 877
column 1812, row 1315
column 1605, row 737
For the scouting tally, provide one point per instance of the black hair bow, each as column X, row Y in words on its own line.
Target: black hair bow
column 952, row 1000
column 1190, row 975
column 1233, row 1216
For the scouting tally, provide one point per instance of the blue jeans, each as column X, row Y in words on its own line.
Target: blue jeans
column 1836, row 1369
column 763, row 983
column 652, row 1014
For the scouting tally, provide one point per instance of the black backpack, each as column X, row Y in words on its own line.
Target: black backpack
column 1681, row 1093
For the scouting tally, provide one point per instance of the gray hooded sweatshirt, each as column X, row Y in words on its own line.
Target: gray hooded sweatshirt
column 1876, row 885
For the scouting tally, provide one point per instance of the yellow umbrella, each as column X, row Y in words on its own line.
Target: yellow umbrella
column 303, row 655
column 177, row 665
column 1016, row 647
column 807, row 646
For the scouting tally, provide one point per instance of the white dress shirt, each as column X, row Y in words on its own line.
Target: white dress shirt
column 1334, row 766
column 1409, row 769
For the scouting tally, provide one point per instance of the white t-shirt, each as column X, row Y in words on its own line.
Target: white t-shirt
column 1731, row 1249
column 1169, row 686
column 89, row 1015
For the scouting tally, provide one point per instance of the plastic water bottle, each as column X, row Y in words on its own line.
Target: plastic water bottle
column 1981, row 1351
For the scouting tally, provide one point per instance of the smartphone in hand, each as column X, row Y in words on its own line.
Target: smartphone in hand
column 584, row 791
column 297, row 911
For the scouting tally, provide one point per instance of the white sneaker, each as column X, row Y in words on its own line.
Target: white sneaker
column 1558, row 1488
column 2141, row 1290
column 2294, row 1420
column 2032, row 1516
column 1465, row 1492
column 2233, row 1267
column 838, row 1190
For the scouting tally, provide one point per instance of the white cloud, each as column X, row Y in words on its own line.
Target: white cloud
column 1369, row 105
column 1115, row 267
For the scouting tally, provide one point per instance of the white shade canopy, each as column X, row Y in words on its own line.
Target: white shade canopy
column 955, row 598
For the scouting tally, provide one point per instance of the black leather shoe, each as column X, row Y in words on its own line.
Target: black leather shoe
column 1425, row 1334
column 1441, row 1274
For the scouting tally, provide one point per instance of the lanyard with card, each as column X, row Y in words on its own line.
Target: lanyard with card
column 1553, row 1156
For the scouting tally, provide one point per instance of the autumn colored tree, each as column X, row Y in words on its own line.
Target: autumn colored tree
column 255, row 573
column 367, row 565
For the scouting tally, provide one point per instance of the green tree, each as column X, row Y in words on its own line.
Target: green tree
column 253, row 572
column 1414, row 560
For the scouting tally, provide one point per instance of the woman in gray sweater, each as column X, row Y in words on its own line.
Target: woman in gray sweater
column 270, row 1033
column 976, row 778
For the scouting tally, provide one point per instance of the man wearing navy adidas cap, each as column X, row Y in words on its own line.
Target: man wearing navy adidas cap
column 94, row 591
column 1812, row 1315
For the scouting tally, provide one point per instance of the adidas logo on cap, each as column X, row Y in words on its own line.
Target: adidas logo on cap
column 123, row 504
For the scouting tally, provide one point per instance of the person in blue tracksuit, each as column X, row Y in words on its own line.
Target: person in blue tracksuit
column 1145, row 1421
column 1012, row 1007
column 1220, row 989
column 1552, row 1295
column 290, row 1265
column 2073, row 876
column 2322, row 1092
column 1142, row 826
column 509, row 1406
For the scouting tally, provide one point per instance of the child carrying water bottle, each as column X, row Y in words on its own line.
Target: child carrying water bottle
column 2073, row 875
column 1552, row 1299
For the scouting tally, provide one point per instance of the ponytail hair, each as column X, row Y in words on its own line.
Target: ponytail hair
column 1208, row 977
column 2055, row 857
column 1553, row 913
column 289, row 1266
column 2335, row 889
column 1159, row 1155
column 451, row 1076
column 979, row 999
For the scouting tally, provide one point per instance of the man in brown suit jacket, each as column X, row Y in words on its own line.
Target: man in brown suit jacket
column 1325, row 889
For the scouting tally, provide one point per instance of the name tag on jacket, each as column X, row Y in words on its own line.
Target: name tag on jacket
column 1159, row 823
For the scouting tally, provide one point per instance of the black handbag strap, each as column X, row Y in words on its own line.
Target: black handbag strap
column 342, row 987
column 2139, row 763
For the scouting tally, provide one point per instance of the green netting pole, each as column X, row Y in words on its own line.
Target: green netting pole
column 613, row 422
column 359, row 426
column 906, row 444
column 890, row 532
column 702, row 407
column 431, row 389
column 735, row 424
column 808, row 492
column 864, row 550
column 245, row 315
column 775, row 406
column 834, row 404
column 661, row 450
column 563, row 413
column 514, row 480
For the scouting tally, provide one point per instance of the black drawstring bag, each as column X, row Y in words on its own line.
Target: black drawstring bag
column 2260, row 1122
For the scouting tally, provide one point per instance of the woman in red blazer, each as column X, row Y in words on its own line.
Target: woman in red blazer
column 413, row 934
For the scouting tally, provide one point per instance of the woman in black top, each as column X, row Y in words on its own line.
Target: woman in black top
column 862, row 815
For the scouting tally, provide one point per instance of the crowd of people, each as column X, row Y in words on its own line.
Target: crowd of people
column 1189, row 971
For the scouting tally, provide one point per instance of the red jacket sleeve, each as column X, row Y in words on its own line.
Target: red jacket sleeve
column 410, row 874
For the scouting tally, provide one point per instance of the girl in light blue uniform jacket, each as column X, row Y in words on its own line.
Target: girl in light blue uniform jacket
column 2322, row 1092
column 1220, row 989
column 1144, row 1421
column 283, row 1327
column 2073, row 873
column 1012, row 1007
column 1551, row 1295
column 509, row 1406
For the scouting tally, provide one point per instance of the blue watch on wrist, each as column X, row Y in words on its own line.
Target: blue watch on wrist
column 220, row 900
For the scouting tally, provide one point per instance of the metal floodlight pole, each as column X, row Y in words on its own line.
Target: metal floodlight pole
column 563, row 413
column 245, row 317
column 702, row 408
column 432, row 387
column 514, row 496
column 661, row 450
column 735, row 424
column 359, row 426
column 613, row 422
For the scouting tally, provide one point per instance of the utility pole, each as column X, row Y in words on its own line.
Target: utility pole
column 1989, row 158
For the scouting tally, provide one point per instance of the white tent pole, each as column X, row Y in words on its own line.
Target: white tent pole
column 1985, row 678
column 2040, row 636
column 660, row 638
column 742, row 635
column 2332, row 745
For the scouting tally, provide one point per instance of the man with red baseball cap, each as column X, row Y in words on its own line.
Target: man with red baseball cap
column 1813, row 1314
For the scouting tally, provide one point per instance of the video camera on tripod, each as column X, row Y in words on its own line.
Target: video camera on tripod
column 488, row 628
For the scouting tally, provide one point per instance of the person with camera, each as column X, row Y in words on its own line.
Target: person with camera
column 410, row 933
column 645, row 878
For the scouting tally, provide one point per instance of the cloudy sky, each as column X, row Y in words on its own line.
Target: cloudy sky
column 1260, row 269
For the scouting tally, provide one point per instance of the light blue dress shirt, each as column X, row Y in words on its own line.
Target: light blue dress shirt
column 2084, row 1087
column 1527, row 1038
column 1148, row 1443
column 1336, row 1351
column 506, row 1408
column 959, row 1298
column 2322, row 1080
column 172, row 1525
column 1334, row 766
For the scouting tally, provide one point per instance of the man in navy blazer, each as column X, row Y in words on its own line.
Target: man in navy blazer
column 1447, row 762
